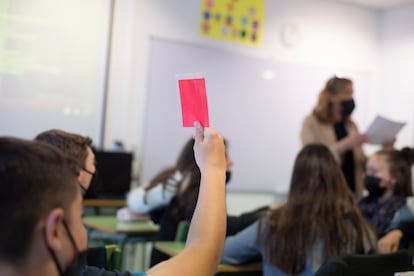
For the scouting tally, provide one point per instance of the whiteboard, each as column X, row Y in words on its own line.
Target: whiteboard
column 53, row 56
column 261, row 119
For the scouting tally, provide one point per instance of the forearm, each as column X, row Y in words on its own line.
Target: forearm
column 403, row 220
column 208, row 226
column 141, row 201
column 237, row 223
column 205, row 239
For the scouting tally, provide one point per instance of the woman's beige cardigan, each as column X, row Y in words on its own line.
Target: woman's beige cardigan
column 315, row 131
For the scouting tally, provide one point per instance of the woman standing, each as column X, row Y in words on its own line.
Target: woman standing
column 330, row 124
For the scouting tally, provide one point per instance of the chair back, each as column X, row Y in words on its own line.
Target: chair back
column 113, row 257
column 363, row 265
column 108, row 257
column 182, row 231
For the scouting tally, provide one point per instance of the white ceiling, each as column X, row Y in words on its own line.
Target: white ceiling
column 378, row 4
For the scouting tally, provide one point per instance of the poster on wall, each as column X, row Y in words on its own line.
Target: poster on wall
column 233, row 20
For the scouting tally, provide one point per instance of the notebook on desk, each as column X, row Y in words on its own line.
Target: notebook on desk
column 112, row 179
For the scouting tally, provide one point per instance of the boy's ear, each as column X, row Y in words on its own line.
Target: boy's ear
column 54, row 229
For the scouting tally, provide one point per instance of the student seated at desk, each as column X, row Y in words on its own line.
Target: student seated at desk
column 41, row 205
column 388, row 181
column 171, row 197
column 400, row 231
column 320, row 219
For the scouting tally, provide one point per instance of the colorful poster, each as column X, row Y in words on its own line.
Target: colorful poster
column 233, row 20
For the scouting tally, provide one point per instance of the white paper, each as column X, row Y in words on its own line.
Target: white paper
column 383, row 130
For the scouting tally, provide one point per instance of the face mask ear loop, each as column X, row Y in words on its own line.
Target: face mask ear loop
column 72, row 240
column 52, row 253
column 83, row 190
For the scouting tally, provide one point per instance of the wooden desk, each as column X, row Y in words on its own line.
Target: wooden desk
column 139, row 231
column 173, row 248
column 104, row 203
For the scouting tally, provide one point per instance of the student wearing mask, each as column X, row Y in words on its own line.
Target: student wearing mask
column 388, row 182
column 320, row 219
column 400, row 231
column 45, row 234
column 331, row 124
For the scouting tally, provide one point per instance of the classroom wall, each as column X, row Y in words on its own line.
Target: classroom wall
column 53, row 57
column 350, row 31
column 350, row 37
column 395, row 97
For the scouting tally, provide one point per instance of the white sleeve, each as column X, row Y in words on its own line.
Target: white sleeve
column 155, row 197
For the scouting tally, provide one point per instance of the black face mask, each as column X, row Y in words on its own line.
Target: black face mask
column 372, row 185
column 228, row 177
column 95, row 186
column 347, row 107
column 78, row 264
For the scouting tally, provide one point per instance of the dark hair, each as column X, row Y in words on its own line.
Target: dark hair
column 400, row 163
column 191, row 175
column 72, row 144
column 408, row 154
column 189, row 184
column 319, row 205
column 34, row 179
column 324, row 109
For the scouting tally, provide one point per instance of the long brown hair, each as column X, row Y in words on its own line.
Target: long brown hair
column 190, row 174
column 324, row 108
column 320, row 205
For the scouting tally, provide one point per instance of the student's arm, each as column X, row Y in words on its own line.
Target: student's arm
column 205, row 239
column 141, row 201
column 241, row 247
column 236, row 224
column 402, row 225
column 390, row 242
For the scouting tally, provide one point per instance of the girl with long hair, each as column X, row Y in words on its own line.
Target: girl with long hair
column 320, row 219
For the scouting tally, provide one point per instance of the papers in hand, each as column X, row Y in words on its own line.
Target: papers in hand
column 382, row 130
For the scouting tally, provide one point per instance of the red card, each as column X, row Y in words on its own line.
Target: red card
column 193, row 101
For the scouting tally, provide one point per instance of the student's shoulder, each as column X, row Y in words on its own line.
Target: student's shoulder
column 311, row 119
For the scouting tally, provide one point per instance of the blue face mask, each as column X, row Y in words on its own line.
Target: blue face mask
column 373, row 187
column 347, row 107
column 78, row 264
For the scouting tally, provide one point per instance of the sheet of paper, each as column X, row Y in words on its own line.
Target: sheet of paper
column 383, row 130
column 194, row 105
